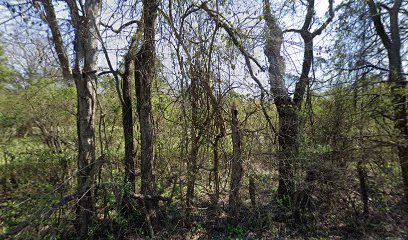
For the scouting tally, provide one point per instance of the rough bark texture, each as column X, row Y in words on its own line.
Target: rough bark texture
column 220, row 128
column 86, row 144
column 84, row 75
column 127, row 122
column 287, row 113
column 145, row 73
column 86, row 47
column 236, row 166
column 125, row 97
column 51, row 19
column 194, row 139
column 288, row 108
column 396, row 79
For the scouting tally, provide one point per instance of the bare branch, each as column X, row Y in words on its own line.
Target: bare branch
column 379, row 26
column 233, row 35
column 62, row 55
column 327, row 22
column 127, row 24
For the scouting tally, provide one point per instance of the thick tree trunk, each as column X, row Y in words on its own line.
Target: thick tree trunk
column 392, row 43
column 127, row 122
column 288, row 147
column 86, row 47
column 145, row 73
column 399, row 92
column 287, row 112
column 236, row 167
column 191, row 176
column 84, row 75
column 86, row 143
column 399, row 99
column 289, row 109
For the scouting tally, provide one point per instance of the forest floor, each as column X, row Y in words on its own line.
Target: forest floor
column 266, row 222
column 3, row 203
column 269, row 222
column 270, row 219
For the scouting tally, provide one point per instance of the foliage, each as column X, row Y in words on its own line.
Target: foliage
column 346, row 173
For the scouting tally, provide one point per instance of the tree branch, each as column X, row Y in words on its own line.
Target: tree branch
column 319, row 30
column 233, row 35
column 51, row 19
column 127, row 24
column 379, row 26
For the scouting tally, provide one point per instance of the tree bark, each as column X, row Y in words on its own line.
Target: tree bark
column 396, row 79
column 236, row 167
column 194, row 138
column 84, row 75
column 86, row 46
column 288, row 108
column 363, row 185
column 86, row 97
column 62, row 55
column 220, row 133
column 288, row 117
column 127, row 122
column 145, row 73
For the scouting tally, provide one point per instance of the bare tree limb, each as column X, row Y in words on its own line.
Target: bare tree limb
column 62, row 55
column 379, row 26
column 234, row 37
column 127, row 24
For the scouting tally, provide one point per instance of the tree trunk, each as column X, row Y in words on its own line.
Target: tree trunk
column 288, row 147
column 289, row 109
column 396, row 79
column 363, row 185
column 127, row 122
column 287, row 113
column 145, row 73
column 216, row 164
column 399, row 101
column 192, row 160
column 86, row 47
column 191, row 176
column 84, row 74
column 236, row 166
column 86, row 143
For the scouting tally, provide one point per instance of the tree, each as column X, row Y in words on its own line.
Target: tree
column 288, row 108
column 84, row 74
column 145, row 73
column 312, row 144
column 127, row 123
column 396, row 77
column 236, row 166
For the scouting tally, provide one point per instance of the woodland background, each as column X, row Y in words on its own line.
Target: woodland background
column 185, row 119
